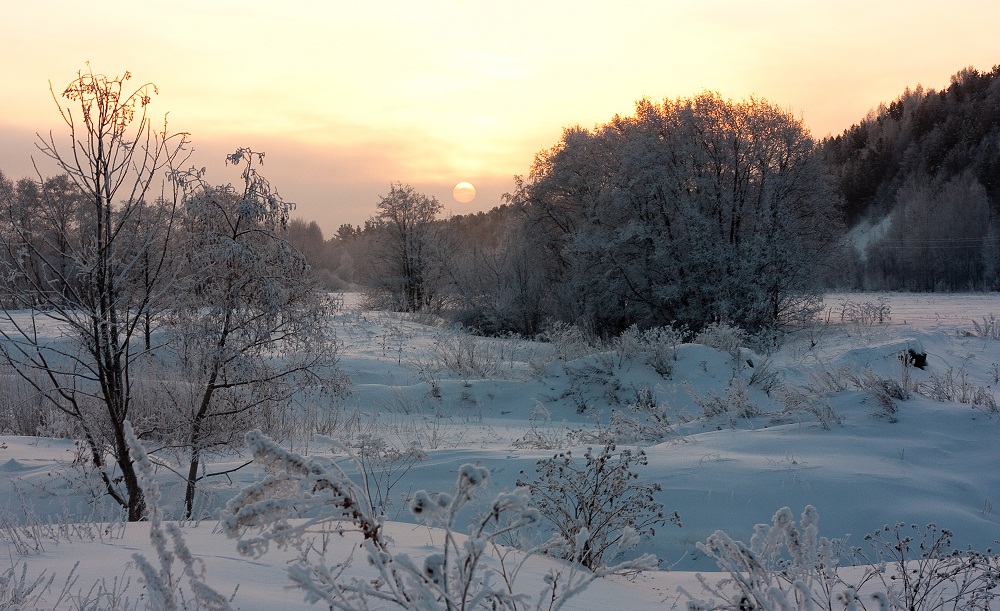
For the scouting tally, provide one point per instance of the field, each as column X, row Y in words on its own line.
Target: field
column 838, row 416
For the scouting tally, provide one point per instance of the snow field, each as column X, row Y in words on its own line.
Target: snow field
column 505, row 403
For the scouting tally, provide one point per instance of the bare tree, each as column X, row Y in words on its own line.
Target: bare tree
column 83, row 282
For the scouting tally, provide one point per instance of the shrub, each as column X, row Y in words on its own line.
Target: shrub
column 541, row 434
column 459, row 351
column 596, row 506
column 866, row 314
column 303, row 501
column 570, row 342
column 990, row 329
column 786, row 566
column 722, row 336
column 919, row 569
column 643, row 420
column 736, row 401
column 800, row 399
column 789, row 566
column 959, row 388
column 883, row 392
column 658, row 343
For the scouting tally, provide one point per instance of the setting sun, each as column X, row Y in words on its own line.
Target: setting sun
column 464, row 192
column 358, row 95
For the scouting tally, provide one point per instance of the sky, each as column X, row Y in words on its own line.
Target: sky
column 346, row 98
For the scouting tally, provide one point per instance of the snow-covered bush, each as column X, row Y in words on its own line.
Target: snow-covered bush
column 659, row 344
column 599, row 509
column 958, row 387
column 919, row 569
column 461, row 352
column 569, row 341
column 866, row 314
column 541, row 433
column 722, row 336
column 736, row 402
column 303, row 501
column 787, row 565
column 642, row 420
column 765, row 377
column 801, row 399
column 883, row 393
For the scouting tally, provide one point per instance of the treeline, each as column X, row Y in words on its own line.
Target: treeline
column 922, row 174
column 694, row 211
column 689, row 212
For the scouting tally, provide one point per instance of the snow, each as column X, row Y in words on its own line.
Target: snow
column 930, row 462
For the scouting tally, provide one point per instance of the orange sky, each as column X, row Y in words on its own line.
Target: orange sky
column 348, row 97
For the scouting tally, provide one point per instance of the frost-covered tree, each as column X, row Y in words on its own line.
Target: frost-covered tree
column 936, row 238
column 78, row 281
column 405, row 251
column 494, row 282
column 249, row 327
column 690, row 210
column 49, row 213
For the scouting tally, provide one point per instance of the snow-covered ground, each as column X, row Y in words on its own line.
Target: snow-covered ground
column 506, row 403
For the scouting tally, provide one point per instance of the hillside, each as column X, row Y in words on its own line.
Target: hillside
column 929, row 162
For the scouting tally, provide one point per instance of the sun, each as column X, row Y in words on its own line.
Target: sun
column 464, row 192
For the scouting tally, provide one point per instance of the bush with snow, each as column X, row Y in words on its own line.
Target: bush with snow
column 598, row 509
column 303, row 501
column 788, row 565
